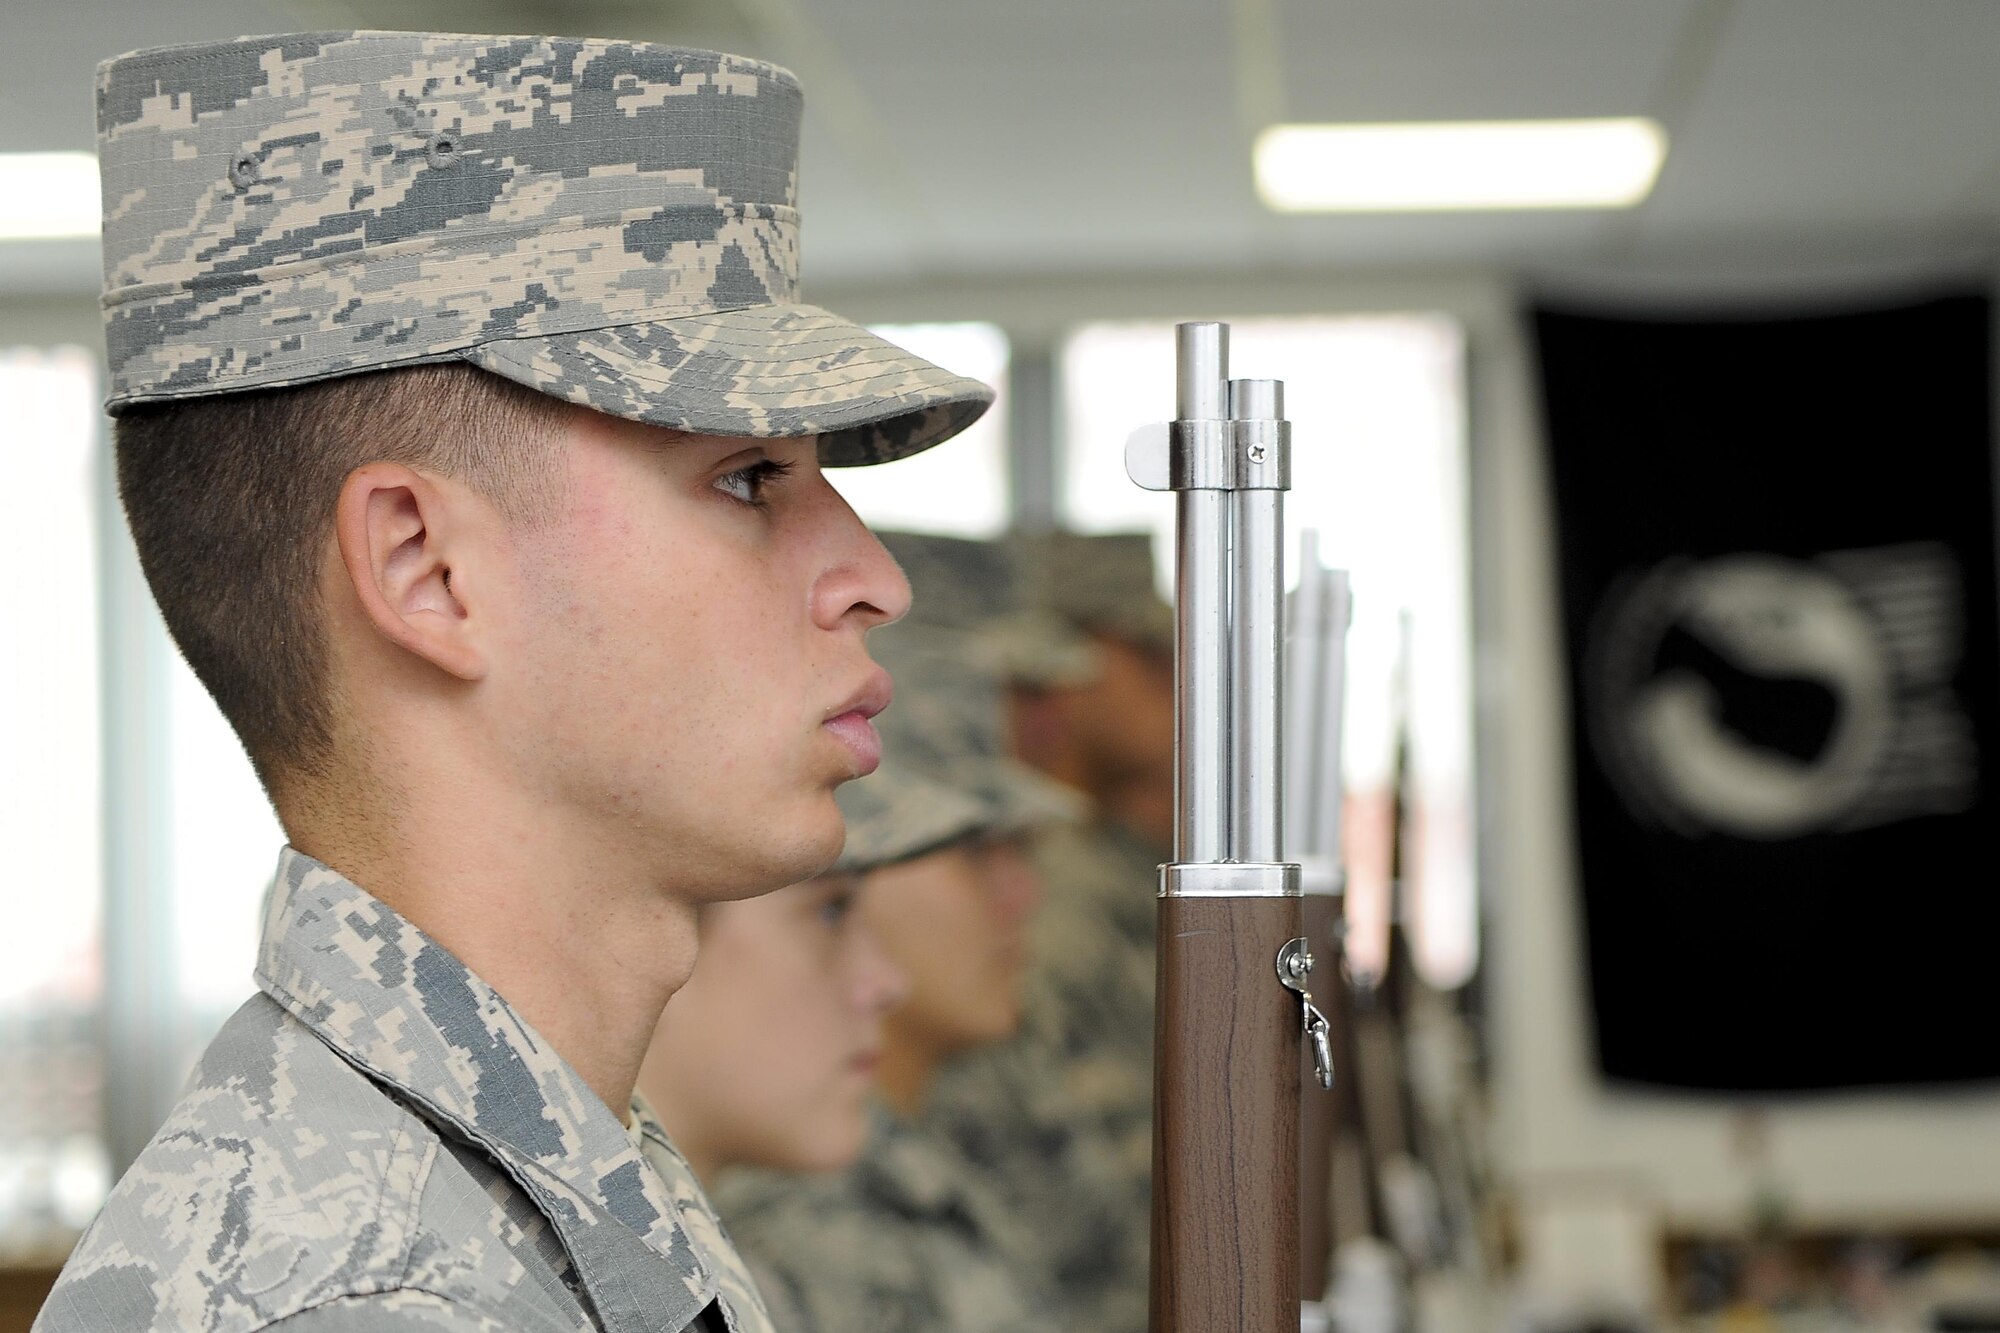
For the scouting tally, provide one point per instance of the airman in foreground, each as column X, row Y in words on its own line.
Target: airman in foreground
column 470, row 431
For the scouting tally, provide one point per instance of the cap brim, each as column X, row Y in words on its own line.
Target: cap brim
column 768, row 371
column 897, row 814
column 1024, row 799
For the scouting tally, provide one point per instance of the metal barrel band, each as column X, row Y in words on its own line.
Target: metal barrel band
column 1212, row 455
column 1229, row 879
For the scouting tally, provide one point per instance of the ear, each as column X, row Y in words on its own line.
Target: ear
column 396, row 529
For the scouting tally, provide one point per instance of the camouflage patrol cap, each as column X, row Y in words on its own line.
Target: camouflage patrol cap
column 898, row 812
column 976, row 588
column 1101, row 582
column 611, row 223
column 948, row 722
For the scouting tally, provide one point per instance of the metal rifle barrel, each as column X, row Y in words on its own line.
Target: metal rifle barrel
column 1201, row 617
column 1257, row 586
column 1226, row 1081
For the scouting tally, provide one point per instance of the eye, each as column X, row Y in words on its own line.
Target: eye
column 836, row 906
column 748, row 483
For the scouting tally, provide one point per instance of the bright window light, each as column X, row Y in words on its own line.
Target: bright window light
column 959, row 490
column 1441, row 166
column 53, row 1168
column 48, row 196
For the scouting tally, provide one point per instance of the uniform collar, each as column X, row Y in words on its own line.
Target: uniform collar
column 399, row 1006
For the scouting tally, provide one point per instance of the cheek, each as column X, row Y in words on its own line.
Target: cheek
column 675, row 640
column 940, row 938
column 810, row 1102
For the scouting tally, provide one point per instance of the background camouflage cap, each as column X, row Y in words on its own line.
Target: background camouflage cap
column 1098, row 582
column 612, row 223
column 899, row 811
column 977, row 589
column 948, row 722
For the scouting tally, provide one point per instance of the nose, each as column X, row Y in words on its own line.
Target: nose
column 877, row 985
column 861, row 582
column 1016, row 886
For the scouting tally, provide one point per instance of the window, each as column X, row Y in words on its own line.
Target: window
column 53, row 1170
column 1378, row 468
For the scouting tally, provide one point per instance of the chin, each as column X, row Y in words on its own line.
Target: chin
column 793, row 850
column 835, row 1151
column 821, row 836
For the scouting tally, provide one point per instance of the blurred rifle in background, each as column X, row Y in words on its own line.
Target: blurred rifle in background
column 1426, row 1159
column 1337, row 1195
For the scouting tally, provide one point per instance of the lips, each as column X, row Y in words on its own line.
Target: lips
column 850, row 725
column 863, row 743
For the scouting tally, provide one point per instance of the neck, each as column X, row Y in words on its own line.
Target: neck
column 908, row 1065
column 701, row 1160
column 585, row 946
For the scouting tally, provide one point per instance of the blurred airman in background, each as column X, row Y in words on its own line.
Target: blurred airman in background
column 912, row 1237
column 1060, row 1119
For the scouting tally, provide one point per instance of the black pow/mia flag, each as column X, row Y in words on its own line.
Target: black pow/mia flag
column 1777, row 556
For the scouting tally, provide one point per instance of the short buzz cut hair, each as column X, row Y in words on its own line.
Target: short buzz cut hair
column 231, row 502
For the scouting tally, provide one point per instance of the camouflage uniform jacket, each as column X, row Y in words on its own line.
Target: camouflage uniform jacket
column 909, row 1240
column 1060, row 1119
column 377, row 1141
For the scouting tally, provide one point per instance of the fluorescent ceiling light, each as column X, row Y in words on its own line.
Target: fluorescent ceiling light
column 45, row 196
column 1480, row 164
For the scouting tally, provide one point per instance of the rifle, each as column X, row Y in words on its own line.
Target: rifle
column 1233, row 963
column 1398, row 1132
column 1340, row 1199
column 1425, row 1153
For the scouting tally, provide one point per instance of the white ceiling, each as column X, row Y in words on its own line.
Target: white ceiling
column 952, row 138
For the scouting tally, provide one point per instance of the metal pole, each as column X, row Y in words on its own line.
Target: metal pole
column 1257, row 755
column 1323, row 833
column 1302, row 697
column 1202, row 611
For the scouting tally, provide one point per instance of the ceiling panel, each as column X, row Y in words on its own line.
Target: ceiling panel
column 1839, row 116
column 1454, row 60
column 1049, row 135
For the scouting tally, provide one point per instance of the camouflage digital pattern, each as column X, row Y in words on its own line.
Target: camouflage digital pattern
column 910, row 1240
column 898, row 812
column 948, row 723
column 1100, row 582
column 612, row 223
column 980, row 589
column 1059, row 1120
column 376, row 1140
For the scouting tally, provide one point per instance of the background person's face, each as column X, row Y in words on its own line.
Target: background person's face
column 767, row 1055
column 955, row 922
column 1124, row 718
column 687, row 635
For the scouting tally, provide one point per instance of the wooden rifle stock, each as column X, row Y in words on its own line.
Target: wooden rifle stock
column 1226, row 1116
